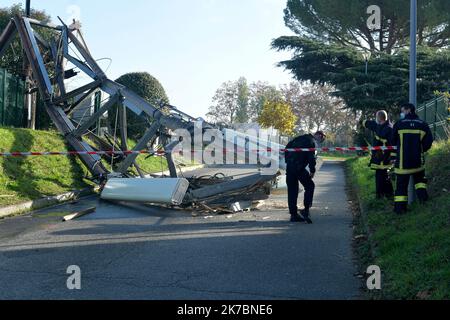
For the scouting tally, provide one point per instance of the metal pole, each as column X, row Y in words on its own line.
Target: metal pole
column 413, row 78
column 28, row 8
column 29, row 97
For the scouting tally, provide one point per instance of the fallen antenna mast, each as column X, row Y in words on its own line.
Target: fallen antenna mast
column 49, row 60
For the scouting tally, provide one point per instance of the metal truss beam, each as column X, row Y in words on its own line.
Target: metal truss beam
column 62, row 122
column 86, row 55
column 90, row 86
column 94, row 118
column 141, row 145
column 7, row 36
column 74, row 106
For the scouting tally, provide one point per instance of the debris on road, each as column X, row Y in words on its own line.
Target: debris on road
column 79, row 214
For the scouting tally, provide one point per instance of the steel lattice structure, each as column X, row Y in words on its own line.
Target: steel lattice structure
column 49, row 60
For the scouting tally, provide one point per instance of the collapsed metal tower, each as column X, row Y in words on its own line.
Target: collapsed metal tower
column 49, row 58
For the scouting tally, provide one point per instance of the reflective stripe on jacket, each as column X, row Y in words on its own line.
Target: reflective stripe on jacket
column 413, row 139
column 383, row 137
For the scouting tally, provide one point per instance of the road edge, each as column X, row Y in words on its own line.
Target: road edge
column 363, row 246
column 42, row 203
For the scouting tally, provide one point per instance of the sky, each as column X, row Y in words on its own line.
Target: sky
column 190, row 46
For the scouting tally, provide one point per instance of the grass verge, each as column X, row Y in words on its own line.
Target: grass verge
column 25, row 179
column 413, row 251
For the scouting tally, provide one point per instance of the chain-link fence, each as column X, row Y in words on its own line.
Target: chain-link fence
column 437, row 114
column 12, row 106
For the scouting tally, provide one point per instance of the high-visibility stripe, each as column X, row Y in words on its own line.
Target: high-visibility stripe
column 408, row 171
column 381, row 139
column 413, row 131
column 380, row 166
column 402, row 133
column 401, row 152
column 421, row 186
column 401, row 199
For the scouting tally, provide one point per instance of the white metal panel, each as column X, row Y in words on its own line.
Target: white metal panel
column 167, row 191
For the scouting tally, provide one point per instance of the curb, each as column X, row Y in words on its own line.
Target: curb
column 43, row 203
column 55, row 200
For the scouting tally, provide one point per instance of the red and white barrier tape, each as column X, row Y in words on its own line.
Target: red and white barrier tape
column 162, row 153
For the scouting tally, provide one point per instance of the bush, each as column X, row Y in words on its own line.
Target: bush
column 149, row 88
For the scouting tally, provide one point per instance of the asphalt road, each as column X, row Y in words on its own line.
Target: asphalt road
column 141, row 252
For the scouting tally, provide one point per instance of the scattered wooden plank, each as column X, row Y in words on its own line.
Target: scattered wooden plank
column 79, row 214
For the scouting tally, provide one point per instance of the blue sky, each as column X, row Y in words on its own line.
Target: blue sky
column 191, row 46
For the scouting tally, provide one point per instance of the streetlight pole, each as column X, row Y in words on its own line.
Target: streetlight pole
column 28, row 8
column 413, row 55
column 413, row 78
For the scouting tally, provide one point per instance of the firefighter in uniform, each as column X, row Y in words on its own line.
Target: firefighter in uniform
column 413, row 139
column 381, row 160
column 296, row 172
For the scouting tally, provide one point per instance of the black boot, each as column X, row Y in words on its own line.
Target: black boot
column 296, row 218
column 306, row 216
column 401, row 209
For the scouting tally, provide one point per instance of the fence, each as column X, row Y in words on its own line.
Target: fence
column 437, row 113
column 12, row 106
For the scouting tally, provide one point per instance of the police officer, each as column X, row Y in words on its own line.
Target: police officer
column 413, row 139
column 296, row 172
column 381, row 160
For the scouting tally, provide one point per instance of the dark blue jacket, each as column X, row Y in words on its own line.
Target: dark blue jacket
column 300, row 160
column 381, row 160
column 413, row 139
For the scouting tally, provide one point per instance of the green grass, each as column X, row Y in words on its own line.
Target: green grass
column 413, row 251
column 24, row 179
column 150, row 165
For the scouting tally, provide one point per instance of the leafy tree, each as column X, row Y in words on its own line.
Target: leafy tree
column 344, row 22
column 386, row 84
column 317, row 109
column 225, row 104
column 240, row 102
column 149, row 88
column 279, row 115
column 243, row 99
column 260, row 94
column 12, row 60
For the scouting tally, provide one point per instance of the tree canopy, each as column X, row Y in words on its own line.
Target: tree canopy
column 385, row 86
column 12, row 60
column 240, row 102
column 279, row 115
column 332, row 35
column 149, row 88
column 344, row 22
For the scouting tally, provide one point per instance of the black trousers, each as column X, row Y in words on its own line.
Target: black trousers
column 401, row 193
column 293, row 177
column 383, row 184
